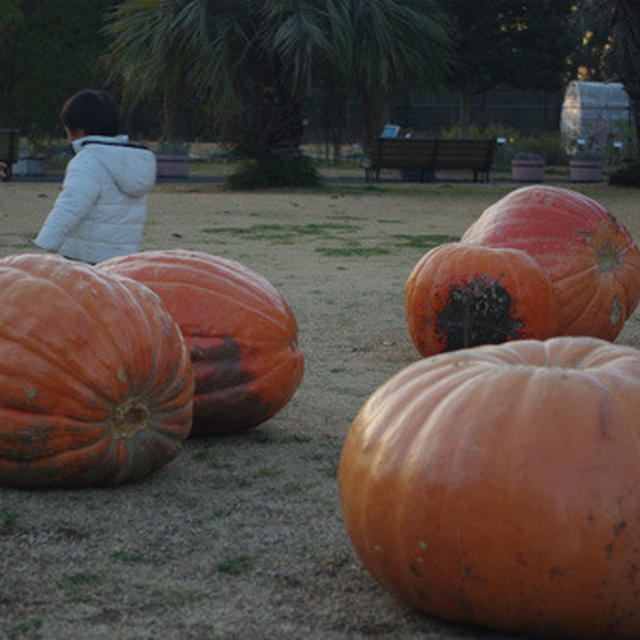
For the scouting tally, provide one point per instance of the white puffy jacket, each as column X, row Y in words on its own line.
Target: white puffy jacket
column 101, row 210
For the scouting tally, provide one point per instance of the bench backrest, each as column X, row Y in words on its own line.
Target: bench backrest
column 9, row 143
column 465, row 154
column 406, row 153
column 434, row 153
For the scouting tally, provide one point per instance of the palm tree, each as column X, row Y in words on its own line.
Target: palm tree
column 257, row 60
column 385, row 45
column 372, row 47
column 218, row 51
column 147, row 56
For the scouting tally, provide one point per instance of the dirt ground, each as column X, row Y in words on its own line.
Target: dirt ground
column 242, row 536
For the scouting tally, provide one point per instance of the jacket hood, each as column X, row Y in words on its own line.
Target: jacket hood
column 132, row 167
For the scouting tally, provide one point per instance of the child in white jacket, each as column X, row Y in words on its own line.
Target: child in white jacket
column 101, row 210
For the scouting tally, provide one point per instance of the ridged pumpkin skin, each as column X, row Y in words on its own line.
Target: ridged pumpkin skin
column 460, row 295
column 500, row 486
column 588, row 255
column 240, row 332
column 96, row 380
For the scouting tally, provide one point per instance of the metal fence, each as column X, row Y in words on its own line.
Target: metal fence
column 530, row 114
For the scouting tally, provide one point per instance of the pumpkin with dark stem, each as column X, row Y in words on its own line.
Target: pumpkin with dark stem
column 500, row 486
column 240, row 332
column 97, row 385
column 589, row 256
column 460, row 295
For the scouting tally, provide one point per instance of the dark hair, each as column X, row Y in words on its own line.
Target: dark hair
column 95, row 112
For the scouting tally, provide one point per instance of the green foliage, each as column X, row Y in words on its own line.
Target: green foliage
column 473, row 131
column 627, row 176
column 628, row 136
column 587, row 154
column 49, row 51
column 173, row 147
column 520, row 44
column 491, row 130
column 254, row 63
column 548, row 145
column 275, row 170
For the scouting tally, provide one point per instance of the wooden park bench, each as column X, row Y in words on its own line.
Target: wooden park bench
column 9, row 143
column 424, row 156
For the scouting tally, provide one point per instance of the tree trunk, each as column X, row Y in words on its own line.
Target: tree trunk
column 371, row 119
column 465, row 110
column 336, row 114
column 271, row 121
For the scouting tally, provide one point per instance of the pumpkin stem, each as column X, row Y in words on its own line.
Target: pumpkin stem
column 129, row 417
column 478, row 311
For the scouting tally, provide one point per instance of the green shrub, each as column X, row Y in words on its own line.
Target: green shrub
column 548, row 145
column 491, row 130
column 275, row 170
column 627, row 176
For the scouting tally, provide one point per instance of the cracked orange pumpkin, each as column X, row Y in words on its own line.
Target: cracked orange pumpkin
column 460, row 295
column 588, row 255
column 96, row 383
column 500, row 486
column 240, row 332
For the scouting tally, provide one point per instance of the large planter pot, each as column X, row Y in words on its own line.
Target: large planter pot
column 172, row 165
column 30, row 164
column 586, row 170
column 527, row 170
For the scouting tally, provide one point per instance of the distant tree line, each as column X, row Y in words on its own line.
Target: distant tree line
column 241, row 70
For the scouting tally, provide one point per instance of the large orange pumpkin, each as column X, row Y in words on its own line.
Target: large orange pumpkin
column 588, row 255
column 460, row 295
column 500, row 486
column 240, row 332
column 96, row 383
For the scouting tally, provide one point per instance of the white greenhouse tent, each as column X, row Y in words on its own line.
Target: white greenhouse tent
column 595, row 115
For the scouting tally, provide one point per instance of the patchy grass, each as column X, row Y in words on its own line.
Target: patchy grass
column 79, row 580
column 212, row 458
column 264, row 437
column 243, row 535
column 268, row 473
column 269, row 231
column 136, row 558
column 289, row 233
column 27, row 628
column 350, row 252
column 8, row 519
column 423, row 241
column 16, row 240
column 180, row 597
column 235, row 565
column 430, row 189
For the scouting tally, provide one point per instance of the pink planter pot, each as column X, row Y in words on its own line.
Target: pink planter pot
column 172, row 165
column 527, row 170
column 586, row 171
